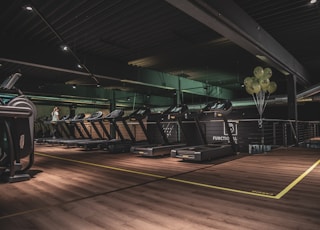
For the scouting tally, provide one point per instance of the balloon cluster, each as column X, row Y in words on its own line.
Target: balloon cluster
column 260, row 82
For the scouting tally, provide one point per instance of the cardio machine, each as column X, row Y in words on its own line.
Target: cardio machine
column 208, row 151
column 173, row 113
column 17, row 117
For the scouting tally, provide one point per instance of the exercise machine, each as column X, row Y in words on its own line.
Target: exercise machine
column 217, row 109
column 17, row 117
column 82, row 130
column 113, row 145
column 172, row 114
column 138, row 116
column 58, row 131
column 89, row 144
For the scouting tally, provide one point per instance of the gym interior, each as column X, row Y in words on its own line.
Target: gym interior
column 172, row 114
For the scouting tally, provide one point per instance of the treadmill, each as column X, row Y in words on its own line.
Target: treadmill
column 92, row 119
column 173, row 113
column 138, row 115
column 73, row 124
column 118, row 145
column 112, row 145
column 62, row 131
column 221, row 109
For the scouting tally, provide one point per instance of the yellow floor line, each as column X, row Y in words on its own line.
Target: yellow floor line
column 297, row 180
column 101, row 166
column 252, row 193
column 261, row 194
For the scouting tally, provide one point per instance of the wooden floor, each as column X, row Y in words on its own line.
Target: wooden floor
column 76, row 189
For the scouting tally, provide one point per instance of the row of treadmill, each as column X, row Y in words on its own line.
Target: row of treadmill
column 157, row 129
column 17, row 122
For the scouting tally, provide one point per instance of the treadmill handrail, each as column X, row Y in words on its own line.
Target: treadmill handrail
column 12, row 111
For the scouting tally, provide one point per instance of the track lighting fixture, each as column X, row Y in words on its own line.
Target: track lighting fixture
column 64, row 47
column 28, row 8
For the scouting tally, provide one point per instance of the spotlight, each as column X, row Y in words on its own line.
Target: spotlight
column 74, row 86
column 64, row 48
column 28, row 8
column 313, row 1
column 79, row 66
column 98, row 85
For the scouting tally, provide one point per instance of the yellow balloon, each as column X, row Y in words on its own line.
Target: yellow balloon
column 264, row 82
column 258, row 72
column 247, row 81
column 256, row 87
column 267, row 72
column 272, row 87
column 249, row 90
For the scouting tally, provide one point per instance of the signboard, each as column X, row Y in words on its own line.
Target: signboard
column 234, row 131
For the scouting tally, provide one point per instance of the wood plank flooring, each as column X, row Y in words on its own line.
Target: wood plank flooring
column 75, row 189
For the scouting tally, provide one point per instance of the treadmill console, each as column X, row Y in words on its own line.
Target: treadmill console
column 219, row 108
column 176, row 111
column 95, row 115
column 10, row 81
column 115, row 114
column 65, row 117
column 79, row 116
column 140, row 113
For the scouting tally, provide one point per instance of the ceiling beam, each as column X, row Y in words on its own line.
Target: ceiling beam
column 228, row 19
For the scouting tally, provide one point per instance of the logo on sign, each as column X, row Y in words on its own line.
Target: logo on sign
column 233, row 128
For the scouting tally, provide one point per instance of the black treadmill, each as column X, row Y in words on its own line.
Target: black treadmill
column 62, row 131
column 173, row 113
column 112, row 145
column 89, row 143
column 220, row 109
column 138, row 116
column 73, row 124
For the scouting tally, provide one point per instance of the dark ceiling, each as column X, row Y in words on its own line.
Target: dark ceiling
column 205, row 43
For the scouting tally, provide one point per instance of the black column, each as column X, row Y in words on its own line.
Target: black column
column 292, row 105
column 112, row 107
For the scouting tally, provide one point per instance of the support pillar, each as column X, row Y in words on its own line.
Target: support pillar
column 292, row 106
column 112, row 107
